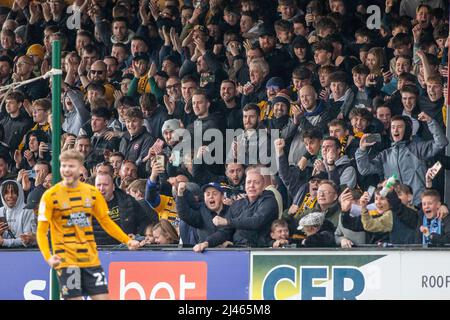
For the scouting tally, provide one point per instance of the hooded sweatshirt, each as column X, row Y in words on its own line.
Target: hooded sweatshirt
column 20, row 220
column 75, row 119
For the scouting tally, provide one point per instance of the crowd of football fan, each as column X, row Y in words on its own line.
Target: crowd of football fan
column 360, row 115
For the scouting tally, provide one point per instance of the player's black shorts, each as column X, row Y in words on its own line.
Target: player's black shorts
column 78, row 282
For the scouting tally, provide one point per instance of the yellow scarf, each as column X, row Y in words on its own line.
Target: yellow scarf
column 444, row 114
column 343, row 142
column 143, row 85
column 308, row 202
column 357, row 134
column 266, row 111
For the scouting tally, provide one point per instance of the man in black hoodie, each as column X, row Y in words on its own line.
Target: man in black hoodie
column 205, row 120
column 16, row 122
column 136, row 141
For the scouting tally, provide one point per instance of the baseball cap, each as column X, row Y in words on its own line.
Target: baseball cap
column 214, row 185
column 311, row 219
column 33, row 199
column 266, row 29
column 283, row 97
column 275, row 82
column 36, row 50
column 193, row 188
column 171, row 125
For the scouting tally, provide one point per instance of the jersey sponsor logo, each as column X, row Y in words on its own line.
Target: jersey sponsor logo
column 114, row 213
column 88, row 202
column 79, row 219
column 158, row 280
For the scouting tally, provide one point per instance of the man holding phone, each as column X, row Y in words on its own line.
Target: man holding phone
column 15, row 220
column 405, row 158
column 335, row 166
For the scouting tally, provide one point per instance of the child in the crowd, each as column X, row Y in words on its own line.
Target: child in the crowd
column 432, row 230
column 317, row 230
column 279, row 232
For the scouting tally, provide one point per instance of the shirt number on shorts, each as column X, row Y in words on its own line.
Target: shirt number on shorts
column 101, row 279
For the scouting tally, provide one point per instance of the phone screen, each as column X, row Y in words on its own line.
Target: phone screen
column 160, row 160
column 176, row 158
column 370, row 191
column 3, row 220
column 376, row 137
column 437, row 166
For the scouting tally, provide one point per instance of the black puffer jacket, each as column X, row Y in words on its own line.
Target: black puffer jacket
column 200, row 218
column 136, row 148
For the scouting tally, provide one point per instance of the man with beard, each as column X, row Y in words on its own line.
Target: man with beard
column 24, row 71
column 232, row 182
column 311, row 113
column 97, row 74
column 6, row 68
column 229, row 105
column 279, row 60
column 250, row 146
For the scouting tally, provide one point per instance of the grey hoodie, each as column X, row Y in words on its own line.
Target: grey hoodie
column 20, row 220
column 78, row 116
column 345, row 177
column 405, row 159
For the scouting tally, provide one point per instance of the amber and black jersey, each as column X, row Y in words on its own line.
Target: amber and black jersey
column 69, row 212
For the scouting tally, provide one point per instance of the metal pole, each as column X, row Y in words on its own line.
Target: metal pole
column 447, row 129
column 56, row 139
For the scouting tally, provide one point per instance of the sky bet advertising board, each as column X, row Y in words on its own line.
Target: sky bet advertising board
column 142, row 275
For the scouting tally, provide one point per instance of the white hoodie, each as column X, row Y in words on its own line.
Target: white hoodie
column 20, row 220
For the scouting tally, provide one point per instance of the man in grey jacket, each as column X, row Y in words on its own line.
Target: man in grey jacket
column 404, row 158
column 75, row 112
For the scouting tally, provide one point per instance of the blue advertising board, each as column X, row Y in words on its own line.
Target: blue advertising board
column 214, row 274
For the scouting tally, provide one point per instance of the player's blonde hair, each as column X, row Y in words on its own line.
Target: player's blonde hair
column 71, row 154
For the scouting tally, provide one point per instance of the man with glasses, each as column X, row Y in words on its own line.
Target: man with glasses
column 327, row 202
column 40, row 110
column 97, row 74
column 24, row 71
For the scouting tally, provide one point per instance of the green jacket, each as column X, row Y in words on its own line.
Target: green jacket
column 332, row 213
